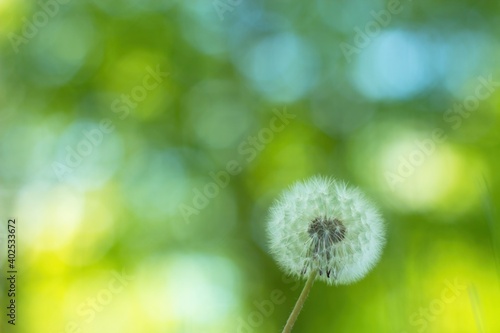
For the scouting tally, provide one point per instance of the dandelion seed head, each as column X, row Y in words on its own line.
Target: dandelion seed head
column 322, row 224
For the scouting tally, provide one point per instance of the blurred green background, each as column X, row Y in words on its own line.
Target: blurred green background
column 140, row 150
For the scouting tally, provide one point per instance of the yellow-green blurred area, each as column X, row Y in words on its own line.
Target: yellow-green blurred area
column 142, row 143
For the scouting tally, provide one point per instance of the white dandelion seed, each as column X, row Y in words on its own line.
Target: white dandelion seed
column 322, row 226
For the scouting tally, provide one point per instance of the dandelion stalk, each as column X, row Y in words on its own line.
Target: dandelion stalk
column 300, row 303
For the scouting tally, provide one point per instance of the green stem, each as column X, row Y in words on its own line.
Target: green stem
column 300, row 303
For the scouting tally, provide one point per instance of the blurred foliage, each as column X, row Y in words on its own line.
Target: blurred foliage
column 170, row 184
